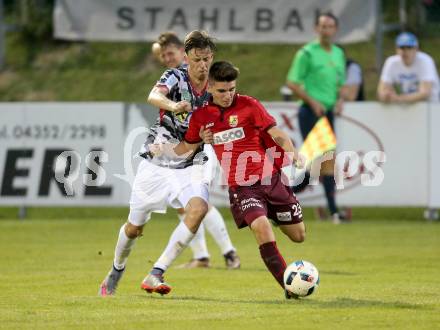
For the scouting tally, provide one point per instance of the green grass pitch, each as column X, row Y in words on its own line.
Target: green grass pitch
column 379, row 272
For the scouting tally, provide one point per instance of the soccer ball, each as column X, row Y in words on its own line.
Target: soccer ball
column 301, row 278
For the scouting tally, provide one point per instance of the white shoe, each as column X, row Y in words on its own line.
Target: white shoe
column 195, row 263
column 155, row 283
column 336, row 219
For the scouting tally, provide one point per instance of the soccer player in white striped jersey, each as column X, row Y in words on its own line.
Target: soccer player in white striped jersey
column 160, row 181
column 171, row 53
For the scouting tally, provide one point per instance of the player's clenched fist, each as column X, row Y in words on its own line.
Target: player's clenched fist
column 206, row 135
column 182, row 106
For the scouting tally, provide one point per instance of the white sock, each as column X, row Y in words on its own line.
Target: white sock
column 179, row 240
column 198, row 243
column 215, row 225
column 123, row 248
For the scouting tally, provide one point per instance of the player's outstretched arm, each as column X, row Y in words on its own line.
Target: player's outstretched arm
column 187, row 148
column 283, row 140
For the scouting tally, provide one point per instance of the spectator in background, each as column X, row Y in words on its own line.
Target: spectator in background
column 286, row 93
column 407, row 77
column 155, row 50
column 168, row 49
column 171, row 53
column 317, row 77
column 410, row 75
column 354, row 81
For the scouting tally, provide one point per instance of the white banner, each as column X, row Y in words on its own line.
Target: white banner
column 33, row 135
column 387, row 155
column 434, row 156
column 364, row 132
column 276, row 21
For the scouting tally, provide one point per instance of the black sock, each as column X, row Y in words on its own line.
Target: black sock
column 157, row 271
column 300, row 187
column 203, row 259
column 118, row 270
column 329, row 186
column 229, row 255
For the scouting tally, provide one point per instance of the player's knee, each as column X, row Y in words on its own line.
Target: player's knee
column 298, row 236
column 198, row 210
column 261, row 227
column 133, row 231
column 262, row 230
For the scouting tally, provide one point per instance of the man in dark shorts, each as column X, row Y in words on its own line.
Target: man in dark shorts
column 241, row 132
column 317, row 78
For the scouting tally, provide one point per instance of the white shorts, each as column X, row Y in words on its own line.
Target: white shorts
column 156, row 187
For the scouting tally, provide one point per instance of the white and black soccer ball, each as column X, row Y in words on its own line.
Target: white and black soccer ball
column 301, row 278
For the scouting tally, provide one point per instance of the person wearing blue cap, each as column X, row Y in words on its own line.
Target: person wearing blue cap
column 410, row 75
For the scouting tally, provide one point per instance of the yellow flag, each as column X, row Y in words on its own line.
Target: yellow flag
column 320, row 140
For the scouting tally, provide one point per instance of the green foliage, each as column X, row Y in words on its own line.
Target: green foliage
column 32, row 25
column 379, row 272
column 127, row 71
column 38, row 27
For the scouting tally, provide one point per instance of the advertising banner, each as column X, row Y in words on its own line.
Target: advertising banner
column 259, row 21
column 87, row 153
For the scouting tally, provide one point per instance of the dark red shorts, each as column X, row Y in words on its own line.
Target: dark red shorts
column 276, row 201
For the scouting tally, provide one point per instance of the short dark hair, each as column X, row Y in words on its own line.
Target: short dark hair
column 169, row 38
column 223, row 71
column 326, row 14
column 199, row 39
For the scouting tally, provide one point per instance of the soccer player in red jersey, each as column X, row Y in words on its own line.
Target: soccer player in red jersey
column 241, row 131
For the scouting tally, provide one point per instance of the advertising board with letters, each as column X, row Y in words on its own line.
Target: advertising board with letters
column 257, row 21
column 84, row 154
